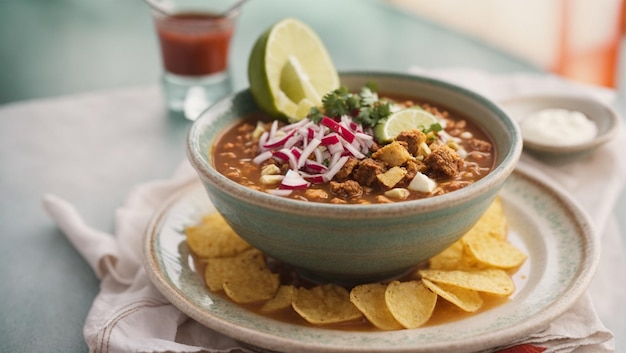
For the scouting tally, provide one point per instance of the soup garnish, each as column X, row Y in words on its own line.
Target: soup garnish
column 342, row 152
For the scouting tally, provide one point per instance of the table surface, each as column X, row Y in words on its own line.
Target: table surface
column 57, row 48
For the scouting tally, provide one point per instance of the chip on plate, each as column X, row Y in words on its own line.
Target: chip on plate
column 214, row 238
column 466, row 299
column 473, row 265
column 492, row 281
column 492, row 222
column 325, row 304
column 410, row 303
column 245, row 277
column 254, row 283
column 454, row 258
column 283, row 299
column 370, row 299
column 493, row 251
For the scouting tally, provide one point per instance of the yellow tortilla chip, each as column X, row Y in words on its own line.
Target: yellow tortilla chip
column 494, row 252
column 492, row 281
column 253, row 284
column 449, row 258
column 492, row 222
column 370, row 300
column 465, row 299
column 221, row 269
column 454, row 258
column 325, row 304
column 214, row 238
column 473, row 266
column 283, row 299
column 410, row 303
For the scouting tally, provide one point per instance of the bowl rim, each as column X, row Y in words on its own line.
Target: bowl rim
column 565, row 100
column 479, row 189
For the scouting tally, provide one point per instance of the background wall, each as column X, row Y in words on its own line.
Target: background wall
column 576, row 38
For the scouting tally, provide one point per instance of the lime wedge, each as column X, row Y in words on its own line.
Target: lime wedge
column 403, row 120
column 289, row 70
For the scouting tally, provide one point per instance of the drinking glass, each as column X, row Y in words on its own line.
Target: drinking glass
column 194, row 38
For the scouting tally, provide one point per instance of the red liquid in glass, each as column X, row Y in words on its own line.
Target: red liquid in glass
column 194, row 44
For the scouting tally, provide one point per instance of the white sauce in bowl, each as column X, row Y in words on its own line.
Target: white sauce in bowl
column 558, row 127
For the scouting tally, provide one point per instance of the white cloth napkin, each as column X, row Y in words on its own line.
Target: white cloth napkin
column 129, row 314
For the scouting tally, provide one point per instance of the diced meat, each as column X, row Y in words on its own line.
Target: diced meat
column 412, row 139
column 414, row 166
column 347, row 189
column 394, row 154
column 366, row 171
column 443, row 161
column 375, row 147
column 346, row 170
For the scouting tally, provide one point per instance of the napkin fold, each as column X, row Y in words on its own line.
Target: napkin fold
column 129, row 314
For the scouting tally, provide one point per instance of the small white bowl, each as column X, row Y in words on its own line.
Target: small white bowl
column 605, row 118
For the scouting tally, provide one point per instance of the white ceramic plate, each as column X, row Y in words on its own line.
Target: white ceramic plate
column 544, row 223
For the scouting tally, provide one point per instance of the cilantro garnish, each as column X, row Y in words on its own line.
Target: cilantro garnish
column 436, row 127
column 365, row 107
column 315, row 115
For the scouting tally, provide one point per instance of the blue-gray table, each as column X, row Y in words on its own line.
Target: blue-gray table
column 94, row 156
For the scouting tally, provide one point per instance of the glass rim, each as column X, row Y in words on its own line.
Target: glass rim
column 158, row 11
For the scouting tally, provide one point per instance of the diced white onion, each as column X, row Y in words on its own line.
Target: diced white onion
column 422, row 183
column 270, row 179
column 260, row 158
column 280, row 192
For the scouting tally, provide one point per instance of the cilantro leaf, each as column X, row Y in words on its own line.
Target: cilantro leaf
column 315, row 115
column 436, row 127
column 365, row 107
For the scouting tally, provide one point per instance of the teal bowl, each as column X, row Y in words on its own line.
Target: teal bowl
column 350, row 244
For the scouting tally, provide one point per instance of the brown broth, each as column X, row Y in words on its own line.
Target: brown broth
column 233, row 153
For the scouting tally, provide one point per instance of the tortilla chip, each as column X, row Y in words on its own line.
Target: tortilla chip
column 410, row 303
column 325, row 304
column 214, row 238
column 370, row 300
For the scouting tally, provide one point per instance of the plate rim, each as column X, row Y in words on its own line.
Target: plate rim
column 249, row 336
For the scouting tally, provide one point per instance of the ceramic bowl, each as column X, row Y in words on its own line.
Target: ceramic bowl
column 356, row 243
column 605, row 119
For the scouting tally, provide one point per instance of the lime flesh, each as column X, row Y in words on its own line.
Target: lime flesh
column 403, row 120
column 290, row 70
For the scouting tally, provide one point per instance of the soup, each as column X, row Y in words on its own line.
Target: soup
column 344, row 161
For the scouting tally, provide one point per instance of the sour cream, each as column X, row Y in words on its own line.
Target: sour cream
column 558, row 127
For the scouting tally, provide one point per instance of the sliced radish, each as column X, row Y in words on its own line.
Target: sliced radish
column 293, row 180
column 315, row 152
